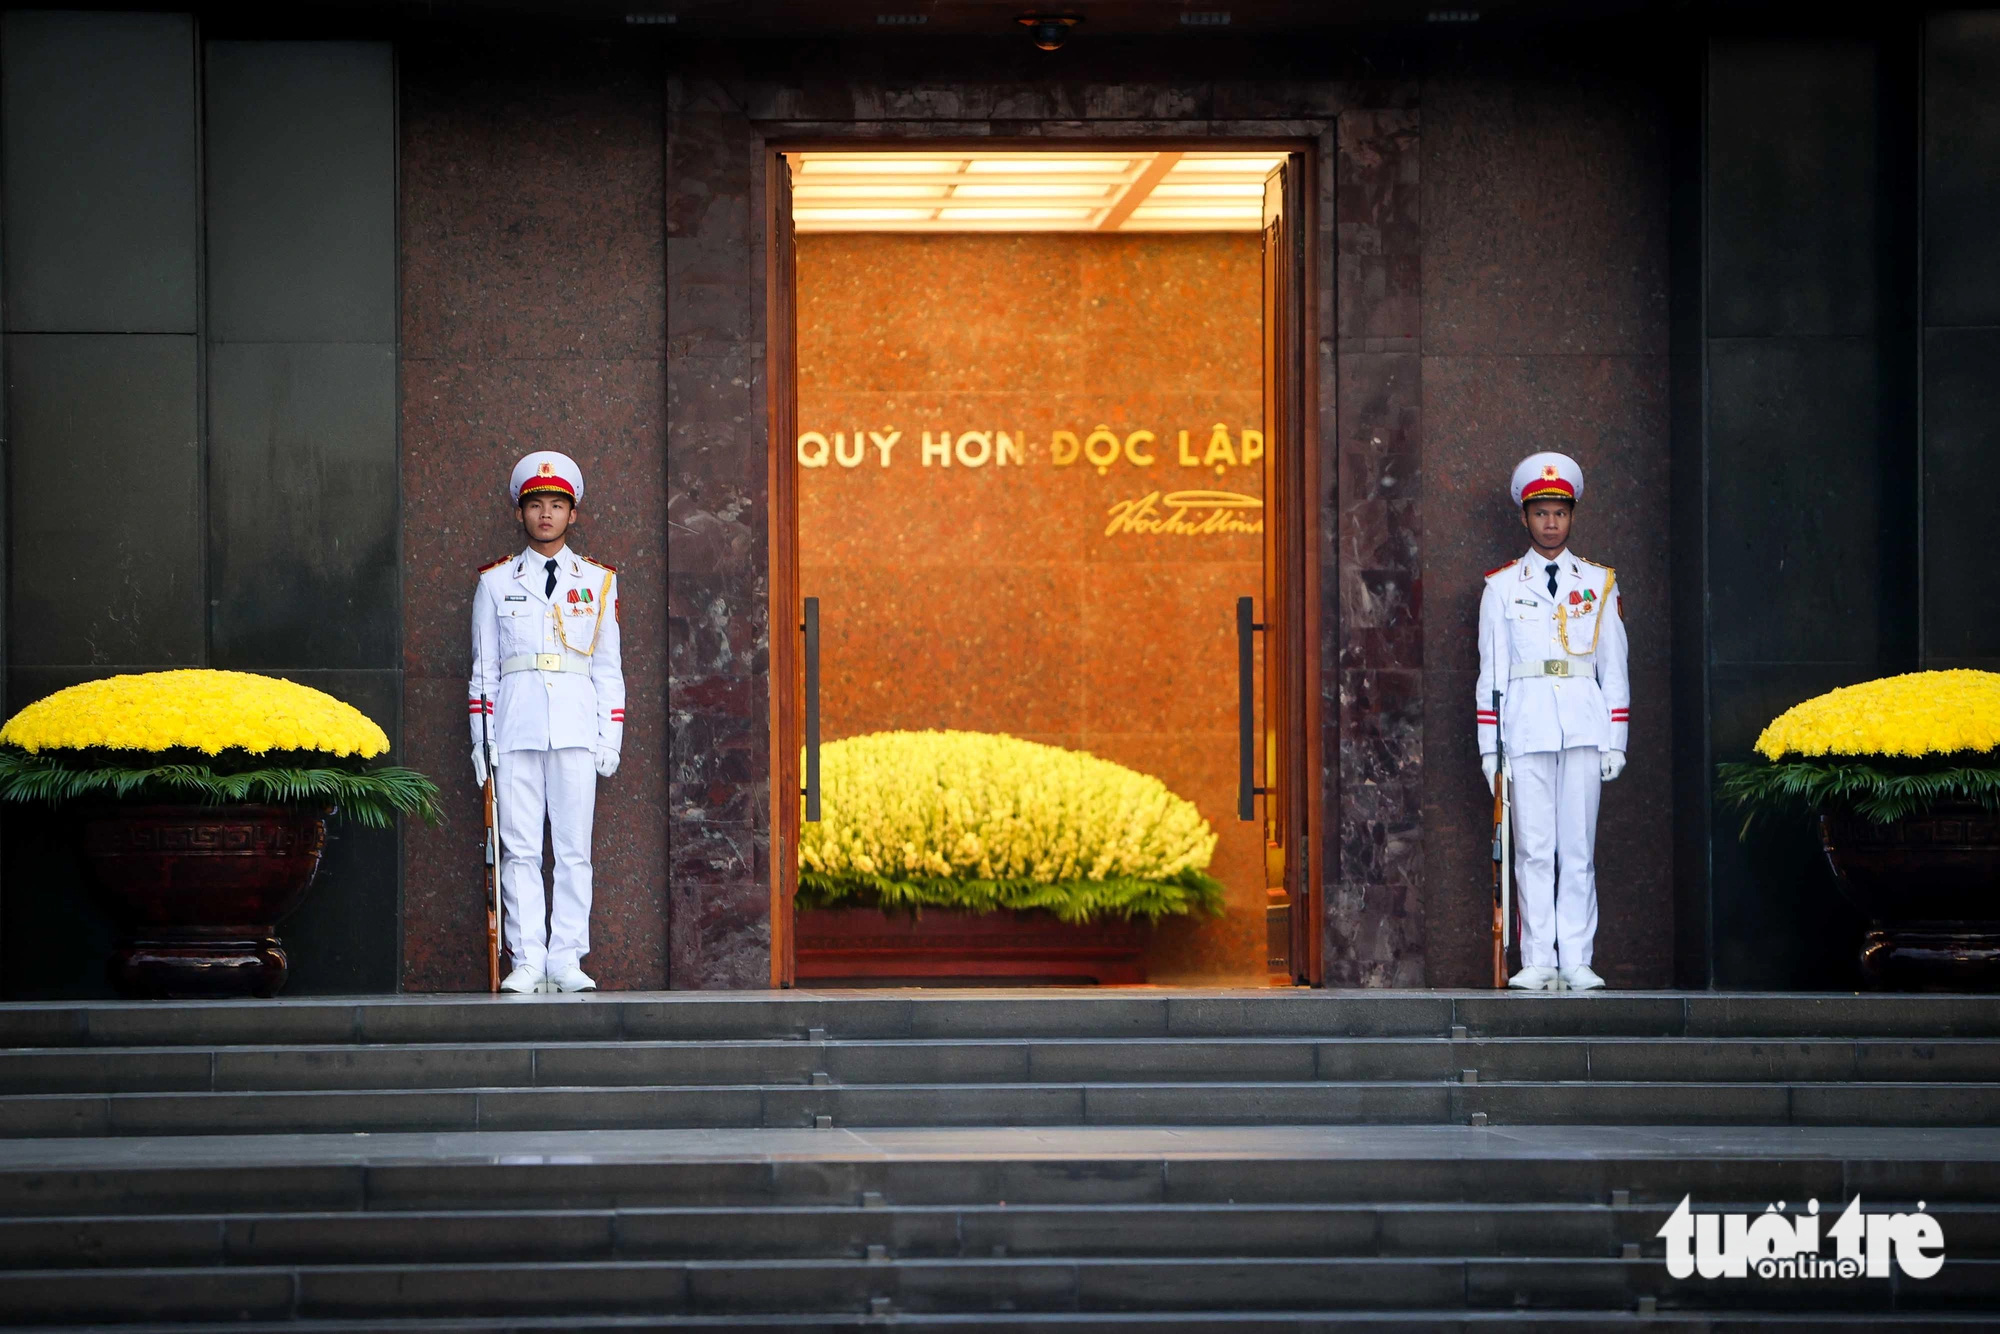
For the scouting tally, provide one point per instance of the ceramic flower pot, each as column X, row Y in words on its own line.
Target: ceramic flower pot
column 1929, row 886
column 864, row 944
column 198, row 891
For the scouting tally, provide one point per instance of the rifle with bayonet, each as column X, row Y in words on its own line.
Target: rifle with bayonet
column 1503, row 853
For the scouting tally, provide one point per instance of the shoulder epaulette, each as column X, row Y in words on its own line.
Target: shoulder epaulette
column 1497, row 568
column 494, row 564
column 602, row 565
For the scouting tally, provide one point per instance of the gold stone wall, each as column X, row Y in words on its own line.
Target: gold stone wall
column 1029, row 499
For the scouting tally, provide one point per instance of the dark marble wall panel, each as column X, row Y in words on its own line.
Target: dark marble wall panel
column 1961, row 497
column 102, row 201
column 1545, row 327
column 300, row 169
column 105, row 478
column 1961, row 188
column 303, row 558
column 302, row 542
column 1808, row 452
column 101, row 204
column 1961, row 312
column 533, row 300
column 1792, row 157
column 1693, row 812
column 719, row 511
column 144, row 536
column 1793, row 503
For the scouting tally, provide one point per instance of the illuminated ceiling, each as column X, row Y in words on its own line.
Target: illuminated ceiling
column 1030, row 192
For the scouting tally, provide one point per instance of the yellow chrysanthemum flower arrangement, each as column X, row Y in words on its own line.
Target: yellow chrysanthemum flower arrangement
column 1885, row 749
column 210, row 737
column 979, row 821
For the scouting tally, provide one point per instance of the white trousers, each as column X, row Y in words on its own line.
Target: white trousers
column 1555, row 832
column 562, row 784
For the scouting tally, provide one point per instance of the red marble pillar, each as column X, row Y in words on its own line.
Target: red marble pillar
column 1375, row 899
column 718, row 793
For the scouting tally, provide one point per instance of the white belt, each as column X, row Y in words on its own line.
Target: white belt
column 542, row 662
column 1547, row 667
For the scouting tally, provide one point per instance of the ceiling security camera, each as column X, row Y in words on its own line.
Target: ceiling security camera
column 1048, row 31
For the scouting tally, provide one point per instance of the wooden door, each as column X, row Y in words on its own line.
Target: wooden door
column 1291, row 673
column 787, row 603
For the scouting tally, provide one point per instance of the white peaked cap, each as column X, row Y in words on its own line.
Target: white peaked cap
column 546, row 470
column 1547, row 477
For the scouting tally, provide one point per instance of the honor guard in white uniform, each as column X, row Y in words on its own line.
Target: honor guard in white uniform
column 546, row 680
column 1552, row 643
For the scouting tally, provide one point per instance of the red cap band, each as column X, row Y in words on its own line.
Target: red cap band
column 556, row 484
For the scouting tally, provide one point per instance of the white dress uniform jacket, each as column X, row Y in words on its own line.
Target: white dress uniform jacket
column 1523, row 628
column 547, row 663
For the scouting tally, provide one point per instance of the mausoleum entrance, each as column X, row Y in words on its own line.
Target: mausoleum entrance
column 1041, row 484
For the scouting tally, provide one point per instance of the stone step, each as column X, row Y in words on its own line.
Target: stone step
column 1324, row 1102
column 1210, row 1231
column 655, row 1063
column 1175, row 1283
column 1017, row 1166
column 1105, row 1013
column 1102, row 1322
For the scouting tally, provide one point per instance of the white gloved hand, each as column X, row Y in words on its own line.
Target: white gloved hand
column 1611, row 765
column 1489, row 765
column 607, row 761
column 479, row 765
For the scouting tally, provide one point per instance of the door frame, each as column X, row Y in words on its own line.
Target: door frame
column 1309, row 776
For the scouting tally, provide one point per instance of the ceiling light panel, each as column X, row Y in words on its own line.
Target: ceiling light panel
column 891, row 190
column 874, row 164
column 1172, row 189
column 1050, row 164
column 991, row 192
column 1029, row 190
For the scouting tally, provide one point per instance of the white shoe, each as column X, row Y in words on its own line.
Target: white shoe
column 1534, row 978
column 571, row 978
column 1580, row 978
column 523, row 981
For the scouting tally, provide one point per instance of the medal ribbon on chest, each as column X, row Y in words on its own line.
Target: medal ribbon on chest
column 1586, row 602
column 580, row 597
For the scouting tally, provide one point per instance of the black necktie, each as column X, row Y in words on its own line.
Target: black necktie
column 1551, row 569
column 549, row 589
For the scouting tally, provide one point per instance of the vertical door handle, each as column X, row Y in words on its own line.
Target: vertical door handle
column 1247, row 790
column 811, row 789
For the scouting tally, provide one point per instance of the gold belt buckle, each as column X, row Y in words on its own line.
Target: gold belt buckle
column 548, row 662
column 1555, row 667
